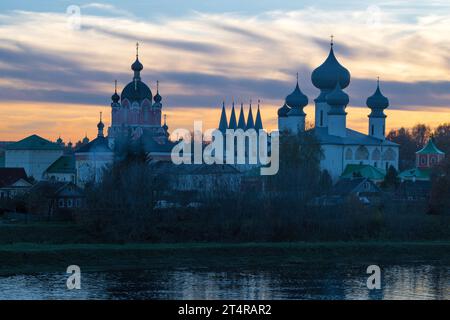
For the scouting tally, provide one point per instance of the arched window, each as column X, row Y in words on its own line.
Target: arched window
column 389, row 155
column 362, row 153
column 349, row 154
column 376, row 154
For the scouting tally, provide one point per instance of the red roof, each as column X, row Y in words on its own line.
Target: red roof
column 9, row 176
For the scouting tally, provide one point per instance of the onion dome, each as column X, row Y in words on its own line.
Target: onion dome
column 241, row 122
column 338, row 100
column 157, row 97
column 297, row 99
column 377, row 102
column 59, row 140
column 165, row 127
column 283, row 110
column 100, row 126
column 137, row 65
column 329, row 73
column 136, row 91
column 85, row 140
column 115, row 97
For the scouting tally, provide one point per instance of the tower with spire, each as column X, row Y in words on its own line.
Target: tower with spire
column 291, row 117
column 325, row 77
column 377, row 119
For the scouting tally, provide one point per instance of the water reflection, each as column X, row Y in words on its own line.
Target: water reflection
column 287, row 282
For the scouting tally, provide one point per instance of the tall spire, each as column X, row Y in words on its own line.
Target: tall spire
column 331, row 41
column 232, row 124
column 137, row 50
column 223, row 124
column 258, row 120
column 250, row 122
column 241, row 122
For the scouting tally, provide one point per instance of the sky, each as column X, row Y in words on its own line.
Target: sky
column 59, row 59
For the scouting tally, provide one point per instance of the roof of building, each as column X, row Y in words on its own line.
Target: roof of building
column 297, row 99
column 352, row 138
column 9, row 176
column 430, row 148
column 416, row 174
column 345, row 186
column 99, row 144
column 33, row 142
column 377, row 103
column 57, row 188
column 64, row 164
column 363, row 170
column 223, row 123
column 283, row 110
column 329, row 73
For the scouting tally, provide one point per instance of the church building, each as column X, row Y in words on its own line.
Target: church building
column 341, row 146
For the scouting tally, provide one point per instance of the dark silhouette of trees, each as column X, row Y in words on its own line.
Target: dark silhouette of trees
column 391, row 180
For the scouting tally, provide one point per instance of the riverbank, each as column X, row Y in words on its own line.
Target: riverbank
column 28, row 258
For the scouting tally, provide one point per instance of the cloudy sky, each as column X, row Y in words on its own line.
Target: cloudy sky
column 59, row 59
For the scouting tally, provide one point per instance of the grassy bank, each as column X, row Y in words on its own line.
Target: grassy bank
column 22, row 258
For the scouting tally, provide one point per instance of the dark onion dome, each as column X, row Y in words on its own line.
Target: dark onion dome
column 165, row 127
column 136, row 91
column 115, row 97
column 100, row 125
column 157, row 97
column 337, row 97
column 59, row 140
column 297, row 99
column 377, row 102
column 283, row 110
column 85, row 140
column 137, row 65
column 329, row 73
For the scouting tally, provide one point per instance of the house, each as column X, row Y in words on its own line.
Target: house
column 56, row 198
column 63, row 169
column 34, row 154
column 362, row 189
column 13, row 181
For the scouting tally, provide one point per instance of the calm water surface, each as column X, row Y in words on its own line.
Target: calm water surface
column 320, row 281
